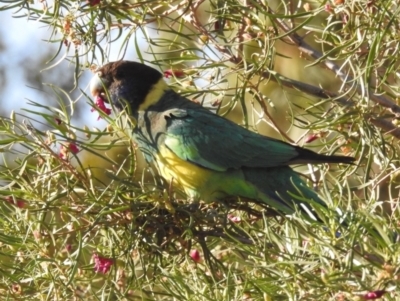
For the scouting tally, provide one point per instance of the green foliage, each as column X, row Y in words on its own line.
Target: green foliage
column 69, row 193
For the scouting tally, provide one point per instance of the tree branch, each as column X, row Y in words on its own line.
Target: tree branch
column 386, row 125
column 304, row 87
column 345, row 78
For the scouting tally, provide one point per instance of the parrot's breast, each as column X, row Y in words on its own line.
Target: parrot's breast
column 190, row 177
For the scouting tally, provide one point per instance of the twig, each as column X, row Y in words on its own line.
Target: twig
column 220, row 234
column 304, row 87
column 386, row 125
column 346, row 78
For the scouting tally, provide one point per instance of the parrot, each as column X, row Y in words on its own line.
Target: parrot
column 208, row 156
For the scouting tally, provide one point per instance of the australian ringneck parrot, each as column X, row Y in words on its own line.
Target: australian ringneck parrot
column 208, row 156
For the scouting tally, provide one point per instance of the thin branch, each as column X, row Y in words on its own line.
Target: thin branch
column 346, row 78
column 220, row 234
column 306, row 88
column 386, row 125
column 301, row 86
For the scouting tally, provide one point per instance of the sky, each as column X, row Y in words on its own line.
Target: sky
column 23, row 54
column 23, row 74
column 20, row 47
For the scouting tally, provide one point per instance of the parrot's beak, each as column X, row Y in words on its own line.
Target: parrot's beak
column 97, row 88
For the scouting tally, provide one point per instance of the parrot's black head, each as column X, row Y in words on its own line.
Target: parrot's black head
column 128, row 83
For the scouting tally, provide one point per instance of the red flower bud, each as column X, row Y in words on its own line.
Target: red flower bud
column 17, row 202
column 176, row 73
column 195, row 255
column 217, row 25
column 311, row 138
column 20, row 203
column 374, row 295
column 68, row 248
column 93, row 2
column 73, row 148
column 69, row 147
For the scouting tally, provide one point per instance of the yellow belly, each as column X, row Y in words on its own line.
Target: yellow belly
column 190, row 177
column 202, row 183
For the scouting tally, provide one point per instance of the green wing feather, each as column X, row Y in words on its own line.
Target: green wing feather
column 208, row 140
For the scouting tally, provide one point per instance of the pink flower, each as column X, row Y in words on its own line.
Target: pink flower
column 99, row 102
column 328, row 8
column 102, row 264
column 171, row 72
column 70, row 147
column 374, row 295
column 345, row 18
column 16, row 289
column 62, row 155
column 234, row 218
column 195, row 255
column 18, row 202
column 37, row 235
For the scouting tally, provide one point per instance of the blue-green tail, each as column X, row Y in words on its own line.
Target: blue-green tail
column 284, row 190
